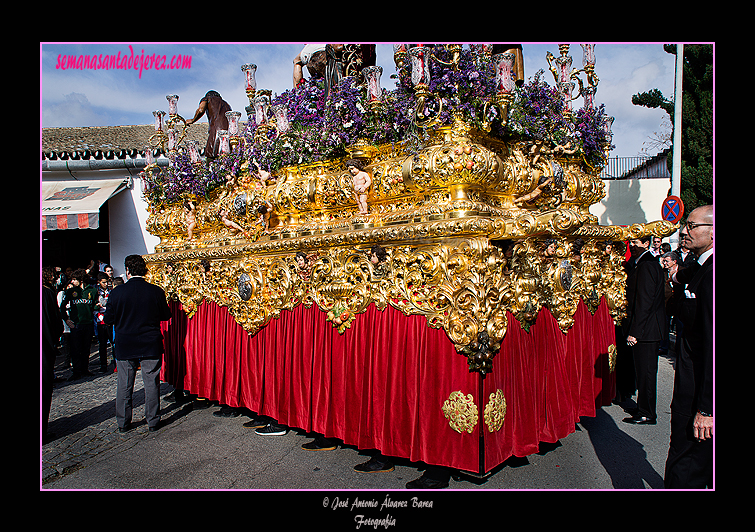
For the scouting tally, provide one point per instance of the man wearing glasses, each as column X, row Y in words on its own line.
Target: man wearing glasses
column 690, row 459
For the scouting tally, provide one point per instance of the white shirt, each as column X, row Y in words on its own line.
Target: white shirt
column 702, row 258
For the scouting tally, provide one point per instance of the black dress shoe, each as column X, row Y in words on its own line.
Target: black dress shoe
column 126, row 428
column 178, row 397
column 639, row 420
column 160, row 424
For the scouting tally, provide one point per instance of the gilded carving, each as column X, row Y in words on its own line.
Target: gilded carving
column 495, row 411
column 612, row 354
column 461, row 412
column 438, row 216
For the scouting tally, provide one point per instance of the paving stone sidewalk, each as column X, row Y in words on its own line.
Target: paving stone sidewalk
column 82, row 417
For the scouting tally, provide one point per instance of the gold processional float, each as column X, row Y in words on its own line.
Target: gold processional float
column 477, row 205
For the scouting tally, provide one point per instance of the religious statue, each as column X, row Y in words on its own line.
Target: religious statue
column 529, row 198
column 216, row 108
column 333, row 62
column 304, row 264
column 362, row 182
column 378, row 256
column 264, row 212
column 191, row 218
column 313, row 56
column 230, row 224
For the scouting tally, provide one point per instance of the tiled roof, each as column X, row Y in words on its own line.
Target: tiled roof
column 57, row 141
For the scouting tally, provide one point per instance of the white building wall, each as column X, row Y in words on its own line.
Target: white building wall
column 630, row 201
column 128, row 220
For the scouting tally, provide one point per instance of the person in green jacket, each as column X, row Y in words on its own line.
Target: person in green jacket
column 77, row 308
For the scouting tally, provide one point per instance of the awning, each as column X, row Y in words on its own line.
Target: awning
column 76, row 204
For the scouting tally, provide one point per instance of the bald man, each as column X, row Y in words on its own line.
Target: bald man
column 690, row 459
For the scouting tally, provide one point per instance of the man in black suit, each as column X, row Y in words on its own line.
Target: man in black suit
column 690, row 458
column 136, row 308
column 645, row 325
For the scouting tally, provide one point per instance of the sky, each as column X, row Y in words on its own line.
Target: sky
column 110, row 97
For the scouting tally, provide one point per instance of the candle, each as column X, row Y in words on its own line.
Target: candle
column 193, row 151
column 233, row 122
column 225, row 146
column 158, row 119
column 249, row 70
column 588, row 55
column 172, row 104
column 281, row 118
column 420, row 65
column 504, row 72
column 372, row 75
column 260, row 107
column 171, row 139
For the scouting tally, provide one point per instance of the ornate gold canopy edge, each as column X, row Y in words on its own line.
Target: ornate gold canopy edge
column 463, row 232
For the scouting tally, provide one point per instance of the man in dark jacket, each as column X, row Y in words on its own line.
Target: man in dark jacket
column 645, row 325
column 136, row 309
column 690, row 459
column 77, row 309
column 52, row 328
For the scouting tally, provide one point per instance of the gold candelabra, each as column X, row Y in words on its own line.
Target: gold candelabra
column 565, row 75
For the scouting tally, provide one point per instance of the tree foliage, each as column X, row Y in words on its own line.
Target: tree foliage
column 697, row 122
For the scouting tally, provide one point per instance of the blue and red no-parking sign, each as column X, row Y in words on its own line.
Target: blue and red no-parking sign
column 672, row 209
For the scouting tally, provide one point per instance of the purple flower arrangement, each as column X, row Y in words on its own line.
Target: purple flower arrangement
column 323, row 128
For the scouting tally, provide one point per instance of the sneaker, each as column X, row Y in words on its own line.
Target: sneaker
column 256, row 423
column 427, row 482
column 271, row 430
column 226, row 411
column 319, row 444
column 200, row 404
column 375, row 465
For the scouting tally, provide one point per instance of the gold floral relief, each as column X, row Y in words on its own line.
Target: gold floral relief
column 495, row 411
column 461, row 412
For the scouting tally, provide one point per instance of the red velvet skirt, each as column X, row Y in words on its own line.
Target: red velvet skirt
column 382, row 383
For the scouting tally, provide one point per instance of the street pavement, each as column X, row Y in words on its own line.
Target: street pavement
column 196, row 450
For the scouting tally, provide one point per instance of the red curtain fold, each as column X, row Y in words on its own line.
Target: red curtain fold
column 381, row 384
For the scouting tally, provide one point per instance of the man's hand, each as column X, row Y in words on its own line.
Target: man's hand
column 702, row 427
